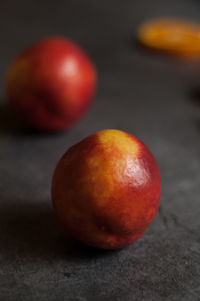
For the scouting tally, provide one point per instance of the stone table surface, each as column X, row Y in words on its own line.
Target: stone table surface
column 151, row 96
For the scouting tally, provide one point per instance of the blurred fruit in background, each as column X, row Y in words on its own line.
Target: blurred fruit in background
column 106, row 189
column 176, row 37
column 51, row 84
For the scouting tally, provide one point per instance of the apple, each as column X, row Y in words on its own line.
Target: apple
column 51, row 84
column 106, row 189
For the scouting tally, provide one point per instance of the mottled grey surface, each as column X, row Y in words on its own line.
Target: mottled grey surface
column 152, row 97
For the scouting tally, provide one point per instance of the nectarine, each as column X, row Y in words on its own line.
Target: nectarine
column 106, row 189
column 176, row 37
column 51, row 84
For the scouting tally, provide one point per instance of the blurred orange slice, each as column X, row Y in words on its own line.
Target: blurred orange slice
column 177, row 37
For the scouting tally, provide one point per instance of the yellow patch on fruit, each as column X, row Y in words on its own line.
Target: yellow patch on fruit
column 115, row 139
column 99, row 178
column 107, row 167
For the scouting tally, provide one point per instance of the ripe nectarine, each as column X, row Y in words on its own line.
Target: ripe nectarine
column 172, row 36
column 51, row 84
column 106, row 189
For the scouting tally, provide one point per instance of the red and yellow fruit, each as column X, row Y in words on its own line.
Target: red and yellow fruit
column 51, row 84
column 106, row 189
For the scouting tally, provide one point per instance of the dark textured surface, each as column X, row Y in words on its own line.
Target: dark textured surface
column 152, row 97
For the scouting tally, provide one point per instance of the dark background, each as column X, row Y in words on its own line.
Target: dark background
column 151, row 96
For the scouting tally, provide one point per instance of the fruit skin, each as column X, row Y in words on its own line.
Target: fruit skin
column 106, row 189
column 51, row 84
